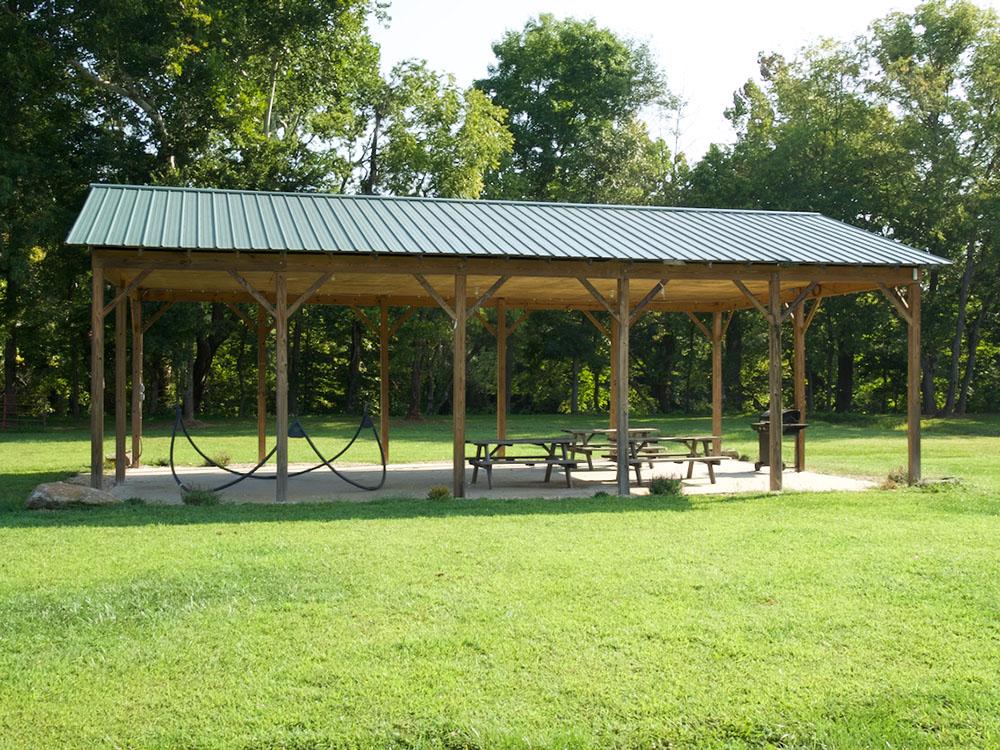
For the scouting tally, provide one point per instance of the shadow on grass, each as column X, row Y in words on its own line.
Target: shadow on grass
column 375, row 510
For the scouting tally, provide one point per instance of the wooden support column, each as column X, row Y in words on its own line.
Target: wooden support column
column 281, row 386
column 97, row 376
column 620, row 409
column 717, row 381
column 774, row 377
column 913, row 383
column 613, row 379
column 501, row 331
column 383, row 375
column 261, row 382
column 458, row 388
column 137, row 390
column 799, row 381
column 121, row 377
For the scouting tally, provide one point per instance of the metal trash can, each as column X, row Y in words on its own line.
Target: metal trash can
column 790, row 425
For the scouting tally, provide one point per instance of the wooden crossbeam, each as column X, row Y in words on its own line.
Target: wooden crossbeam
column 486, row 322
column 241, row 315
column 701, row 326
column 750, row 296
column 365, row 320
column 125, row 291
column 892, row 294
column 727, row 321
column 597, row 324
column 434, row 295
column 794, row 304
column 398, row 323
column 488, row 293
column 812, row 312
column 305, row 296
column 597, row 296
column 517, row 323
column 148, row 323
column 650, row 296
column 249, row 289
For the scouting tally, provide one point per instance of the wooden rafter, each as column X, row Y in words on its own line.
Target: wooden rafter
column 601, row 299
column 727, row 321
column 488, row 294
column 794, row 304
column 250, row 322
column 596, row 323
column 701, row 326
column 481, row 313
column 148, row 323
column 364, row 320
column 249, row 289
column 435, row 295
column 398, row 323
column 126, row 291
column 750, row 296
column 902, row 307
column 308, row 293
column 517, row 323
column 812, row 312
column 650, row 296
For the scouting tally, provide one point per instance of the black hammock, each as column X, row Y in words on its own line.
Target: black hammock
column 295, row 430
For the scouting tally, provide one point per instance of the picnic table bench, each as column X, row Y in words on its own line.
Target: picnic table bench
column 652, row 449
column 582, row 440
column 555, row 454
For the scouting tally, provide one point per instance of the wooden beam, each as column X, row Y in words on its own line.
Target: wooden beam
column 97, row 376
column 365, row 320
column 308, row 293
column 501, row 336
column 442, row 303
column 518, row 321
column 913, row 473
column 596, row 323
column 458, row 389
column 125, row 291
column 601, row 299
column 281, row 385
column 750, row 296
column 613, row 376
column 262, row 330
column 157, row 315
column 383, row 376
column 812, row 311
column 716, row 338
column 729, row 319
column 892, row 294
column 774, row 379
column 135, row 305
column 481, row 314
column 638, row 310
column 249, row 289
column 247, row 320
column 488, row 294
column 621, row 388
column 121, row 378
column 401, row 320
column 701, row 326
column 799, row 299
column 799, row 382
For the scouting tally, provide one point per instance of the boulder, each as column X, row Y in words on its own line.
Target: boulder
column 57, row 495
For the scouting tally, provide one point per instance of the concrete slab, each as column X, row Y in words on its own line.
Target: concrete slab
column 155, row 484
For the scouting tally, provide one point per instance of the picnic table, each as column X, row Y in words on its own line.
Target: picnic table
column 656, row 449
column 556, row 454
column 582, row 439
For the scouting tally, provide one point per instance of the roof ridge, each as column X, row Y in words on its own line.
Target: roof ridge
column 439, row 199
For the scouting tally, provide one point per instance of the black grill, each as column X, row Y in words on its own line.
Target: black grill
column 788, row 416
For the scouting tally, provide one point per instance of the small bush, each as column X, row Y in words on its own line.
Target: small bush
column 895, row 478
column 219, row 459
column 133, row 501
column 439, row 492
column 200, row 497
column 161, row 461
column 602, row 493
column 665, row 486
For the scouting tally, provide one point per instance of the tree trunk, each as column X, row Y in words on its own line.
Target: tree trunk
column 928, row 367
column 574, row 400
column 208, row 343
column 416, row 381
column 970, row 365
column 959, row 335
column 354, row 368
column 294, row 366
column 732, row 363
column 188, row 391
column 845, row 377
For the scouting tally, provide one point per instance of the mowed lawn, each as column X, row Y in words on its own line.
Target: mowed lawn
column 819, row 621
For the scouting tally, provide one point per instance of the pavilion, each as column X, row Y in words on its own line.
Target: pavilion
column 280, row 251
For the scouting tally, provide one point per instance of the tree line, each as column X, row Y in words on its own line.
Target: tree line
column 897, row 132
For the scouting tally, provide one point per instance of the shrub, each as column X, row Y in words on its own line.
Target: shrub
column 665, row 486
column 161, row 461
column 199, row 497
column 219, row 459
column 439, row 492
column 602, row 493
column 134, row 501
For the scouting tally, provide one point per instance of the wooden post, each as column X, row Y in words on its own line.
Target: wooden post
column 613, row 384
column 383, row 375
column 281, row 385
column 261, row 383
column 913, row 384
column 501, row 372
column 620, row 409
column 799, row 381
column 458, row 389
column 717, row 381
column 97, row 376
column 774, row 377
column 136, row 308
column 121, row 376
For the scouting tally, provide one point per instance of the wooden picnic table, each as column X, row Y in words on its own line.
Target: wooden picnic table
column 556, row 453
column 582, row 439
column 650, row 449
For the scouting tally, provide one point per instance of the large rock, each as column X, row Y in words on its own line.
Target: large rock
column 57, row 495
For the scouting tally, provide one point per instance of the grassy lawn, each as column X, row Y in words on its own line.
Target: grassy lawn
column 834, row 620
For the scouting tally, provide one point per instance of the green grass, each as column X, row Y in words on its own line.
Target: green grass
column 813, row 621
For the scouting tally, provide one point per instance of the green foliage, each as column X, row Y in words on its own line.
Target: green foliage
column 665, row 486
column 439, row 492
column 197, row 496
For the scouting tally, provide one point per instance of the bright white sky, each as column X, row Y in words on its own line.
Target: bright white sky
column 708, row 48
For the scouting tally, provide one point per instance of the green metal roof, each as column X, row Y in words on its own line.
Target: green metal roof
column 134, row 216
